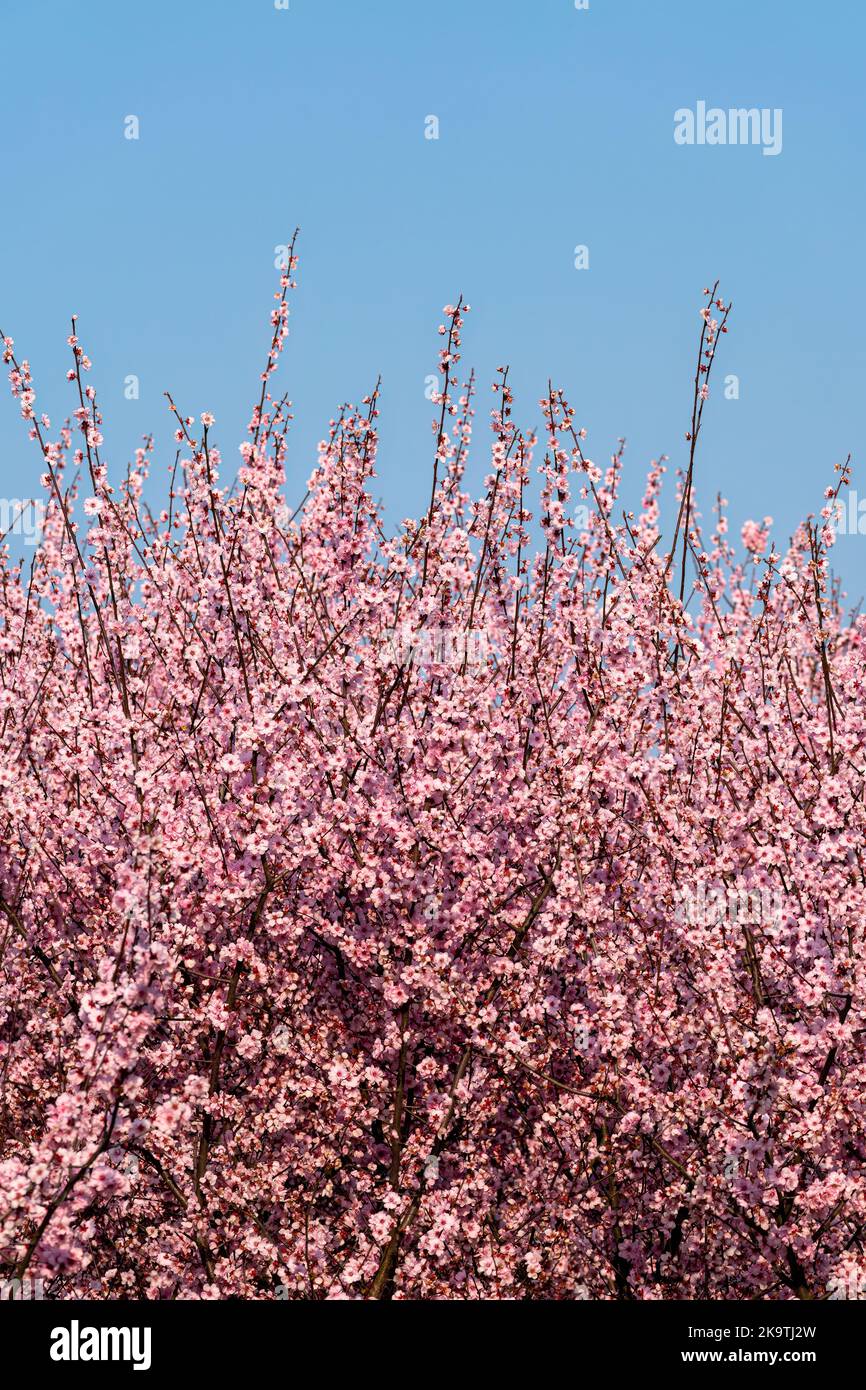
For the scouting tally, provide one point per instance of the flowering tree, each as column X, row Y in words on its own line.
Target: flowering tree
column 454, row 915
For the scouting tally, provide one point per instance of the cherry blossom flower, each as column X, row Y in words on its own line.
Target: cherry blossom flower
column 337, row 965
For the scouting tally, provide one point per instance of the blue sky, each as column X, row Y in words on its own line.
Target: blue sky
column 555, row 129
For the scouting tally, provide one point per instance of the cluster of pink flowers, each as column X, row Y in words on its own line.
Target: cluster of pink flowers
column 333, row 969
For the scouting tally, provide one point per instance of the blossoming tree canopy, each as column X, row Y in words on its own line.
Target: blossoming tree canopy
column 351, row 884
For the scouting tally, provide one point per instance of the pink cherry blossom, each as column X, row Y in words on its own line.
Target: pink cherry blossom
column 345, row 957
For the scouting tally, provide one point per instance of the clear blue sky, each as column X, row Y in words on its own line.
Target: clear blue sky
column 556, row 129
